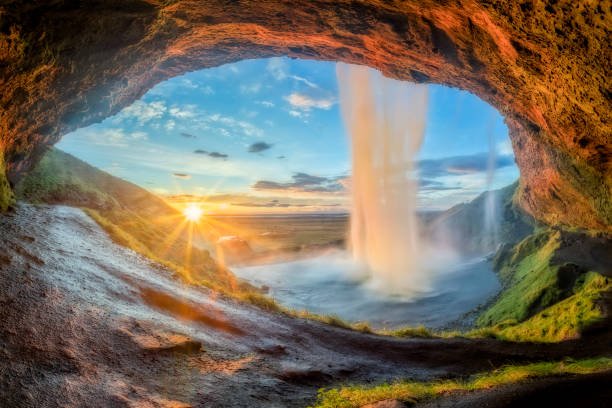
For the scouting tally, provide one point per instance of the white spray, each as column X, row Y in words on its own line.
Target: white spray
column 386, row 122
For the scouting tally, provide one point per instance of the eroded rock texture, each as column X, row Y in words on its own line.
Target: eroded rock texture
column 544, row 64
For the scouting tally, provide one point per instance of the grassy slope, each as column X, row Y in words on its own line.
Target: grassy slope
column 413, row 391
column 543, row 300
column 132, row 216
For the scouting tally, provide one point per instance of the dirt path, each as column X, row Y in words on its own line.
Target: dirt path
column 88, row 323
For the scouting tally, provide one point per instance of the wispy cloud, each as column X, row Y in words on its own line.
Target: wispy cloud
column 183, row 112
column 250, row 88
column 266, row 104
column 143, row 112
column 307, row 102
column 183, row 176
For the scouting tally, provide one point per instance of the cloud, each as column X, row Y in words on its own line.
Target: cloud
column 208, row 90
column 248, row 129
column 458, row 165
column 259, row 147
column 188, row 135
column 185, row 112
column 277, row 67
column 214, row 155
column 188, row 83
column 144, row 112
column 304, row 81
column 306, row 102
column 304, row 183
column 139, row 135
column 218, row 155
column 251, row 88
column 266, row 104
column 270, row 204
column 170, row 124
column 182, row 176
column 428, row 185
column 115, row 137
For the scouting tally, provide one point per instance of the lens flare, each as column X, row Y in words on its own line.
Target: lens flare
column 193, row 212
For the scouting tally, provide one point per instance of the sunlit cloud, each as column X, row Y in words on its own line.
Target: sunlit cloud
column 304, row 183
column 306, row 102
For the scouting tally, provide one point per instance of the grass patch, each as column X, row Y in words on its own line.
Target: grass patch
column 562, row 321
column 6, row 193
column 413, row 391
column 419, row 331
column 529, row 279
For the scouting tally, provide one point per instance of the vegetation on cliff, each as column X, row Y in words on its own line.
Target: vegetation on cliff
column 6, row 194
column 413, row 391
column 546, row 298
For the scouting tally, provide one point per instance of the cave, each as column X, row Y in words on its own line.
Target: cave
column 64, row 66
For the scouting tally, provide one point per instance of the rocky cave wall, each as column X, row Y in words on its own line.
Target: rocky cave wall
column 545, row 65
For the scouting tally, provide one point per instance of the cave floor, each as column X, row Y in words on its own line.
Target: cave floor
column 86, row 322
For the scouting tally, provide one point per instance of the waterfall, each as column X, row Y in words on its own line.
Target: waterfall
column 491, row 221
column 385, row 119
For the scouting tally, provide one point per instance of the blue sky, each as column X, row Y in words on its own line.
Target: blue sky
column 267, row 135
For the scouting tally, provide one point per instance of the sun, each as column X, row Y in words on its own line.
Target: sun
column 193, row 212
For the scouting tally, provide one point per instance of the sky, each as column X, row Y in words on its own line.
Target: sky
column 267, row 135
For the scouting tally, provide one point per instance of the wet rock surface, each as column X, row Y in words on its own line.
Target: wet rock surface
column 543, row 65
column 88, row 323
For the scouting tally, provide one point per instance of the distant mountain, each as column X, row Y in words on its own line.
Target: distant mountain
column 465, row 228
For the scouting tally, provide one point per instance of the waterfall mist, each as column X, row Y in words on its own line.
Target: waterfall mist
column 385, row 119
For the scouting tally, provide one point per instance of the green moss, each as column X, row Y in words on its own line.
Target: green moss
column 59, row 178
column 561, row 321
column 530, row 280
column 413, row 391
column 7, row 198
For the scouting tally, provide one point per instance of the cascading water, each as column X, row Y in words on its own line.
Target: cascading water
column 491, row 220
column 386, row 121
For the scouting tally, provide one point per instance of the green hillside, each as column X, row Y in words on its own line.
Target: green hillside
column 132, row 216
column 464, row 228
